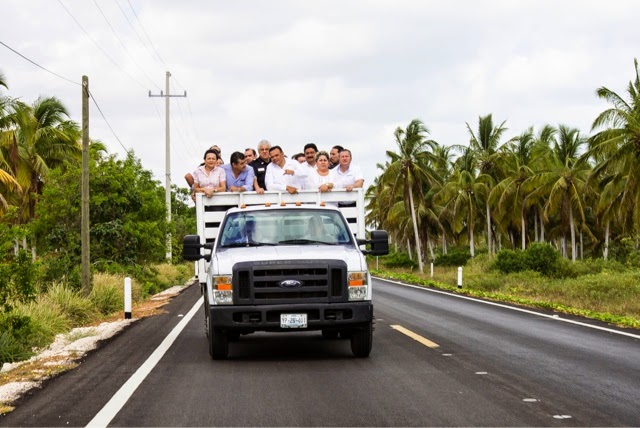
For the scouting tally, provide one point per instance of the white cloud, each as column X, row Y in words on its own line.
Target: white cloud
column 332, row 72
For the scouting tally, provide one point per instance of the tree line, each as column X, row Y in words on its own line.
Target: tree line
column 554, row 185
column 40, row 179
column 557, row 185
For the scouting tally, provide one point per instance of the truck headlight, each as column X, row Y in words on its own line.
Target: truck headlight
column 222, row 290
column 358, row 286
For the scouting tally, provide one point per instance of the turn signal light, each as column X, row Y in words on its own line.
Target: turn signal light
column 222, row 283
column 356, row 279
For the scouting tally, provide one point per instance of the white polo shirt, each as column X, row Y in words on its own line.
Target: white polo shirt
column 275, row 178
column 341, row 179
column 311, row 171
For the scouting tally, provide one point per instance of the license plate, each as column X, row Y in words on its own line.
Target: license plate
column 293, row 320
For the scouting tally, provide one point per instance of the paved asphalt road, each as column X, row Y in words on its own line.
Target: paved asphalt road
column 437, row 360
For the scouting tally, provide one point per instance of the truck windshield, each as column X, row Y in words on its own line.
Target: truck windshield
column 285, row 227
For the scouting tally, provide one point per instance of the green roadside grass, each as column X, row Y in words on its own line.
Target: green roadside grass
column 31, row 326
column 607, row 293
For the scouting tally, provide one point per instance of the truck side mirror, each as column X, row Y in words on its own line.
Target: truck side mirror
column 379, row 243
column 191, row 248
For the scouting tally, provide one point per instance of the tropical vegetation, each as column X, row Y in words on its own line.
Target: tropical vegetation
column 40, row 217
column 580, row 193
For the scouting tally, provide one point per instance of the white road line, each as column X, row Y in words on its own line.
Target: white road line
column 553, row 317
column 120, row 398
column 415, row 336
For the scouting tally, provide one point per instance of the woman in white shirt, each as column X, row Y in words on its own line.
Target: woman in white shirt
column 319, row 177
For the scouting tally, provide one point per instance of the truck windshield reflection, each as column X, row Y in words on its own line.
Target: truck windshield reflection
column 284, row 227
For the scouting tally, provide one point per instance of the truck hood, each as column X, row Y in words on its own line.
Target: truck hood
column 226, row 258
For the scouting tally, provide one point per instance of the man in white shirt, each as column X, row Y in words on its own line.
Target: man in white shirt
column 283, row 173
column 346, row 175
column 310, row 151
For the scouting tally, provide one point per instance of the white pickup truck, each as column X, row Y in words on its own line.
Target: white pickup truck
column 282, row 262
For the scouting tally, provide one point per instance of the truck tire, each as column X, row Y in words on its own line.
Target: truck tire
column 362, row 341
column 218, row 343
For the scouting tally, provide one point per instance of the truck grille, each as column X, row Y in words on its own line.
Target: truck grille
column 314, row 281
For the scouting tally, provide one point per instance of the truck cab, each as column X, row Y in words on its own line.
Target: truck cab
column 294, row 265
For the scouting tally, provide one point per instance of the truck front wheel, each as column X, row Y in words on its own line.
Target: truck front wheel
column 362, row 341
column 218, row 342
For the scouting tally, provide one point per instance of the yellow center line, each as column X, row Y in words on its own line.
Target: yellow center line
column 426, row 342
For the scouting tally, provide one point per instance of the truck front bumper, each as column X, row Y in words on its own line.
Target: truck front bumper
column 267, row 317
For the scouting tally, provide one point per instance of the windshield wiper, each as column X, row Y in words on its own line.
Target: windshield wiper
column 305, row 242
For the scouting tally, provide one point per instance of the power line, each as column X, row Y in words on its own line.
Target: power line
column 99, row 47
column 38, row 65
column 158, row 111
column 162, row 121
column 70, row 81
column 193, row 123
column 145, row 33
column 139, row 37
column 107, row 122
column 123, row 45
column 189, row 142
column 182, row 115
column 195, row 130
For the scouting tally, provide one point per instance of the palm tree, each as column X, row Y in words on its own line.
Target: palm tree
column 8, row 183
column 462, row 195
column 40, row 137
column 380, row 202
column 564, row 181
column 541, row 152
column 509, row 195
column 521, row 158
column 617, row 145
column 485, row 145
column 385, row 210
column 409, row 169
column 443, row 164
column 611, row 187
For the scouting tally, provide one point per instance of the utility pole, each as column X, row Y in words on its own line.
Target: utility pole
column 84, row 230
column 167, row 191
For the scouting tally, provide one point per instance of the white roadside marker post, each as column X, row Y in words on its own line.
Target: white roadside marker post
column 460, row 277
column 431, row 270
column 127, row 298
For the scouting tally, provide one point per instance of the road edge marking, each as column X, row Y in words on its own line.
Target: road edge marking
column 415, row 336
column 553, row 317
column 104, row 417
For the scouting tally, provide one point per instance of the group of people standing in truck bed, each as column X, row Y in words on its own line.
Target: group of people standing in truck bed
column 269, row 169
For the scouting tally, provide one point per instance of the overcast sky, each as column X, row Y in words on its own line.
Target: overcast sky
column 329, row 72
